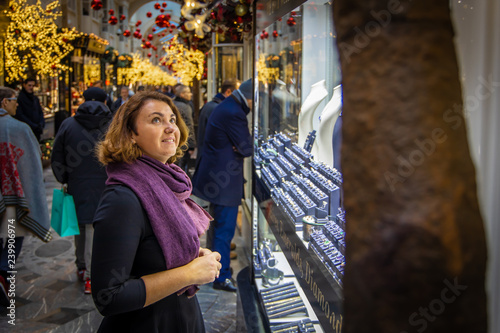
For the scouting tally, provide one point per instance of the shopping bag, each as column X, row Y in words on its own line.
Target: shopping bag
column 63, row 219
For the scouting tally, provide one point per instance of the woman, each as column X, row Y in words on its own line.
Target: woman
column 23, row 207
column 74, row 163
column 146, row 258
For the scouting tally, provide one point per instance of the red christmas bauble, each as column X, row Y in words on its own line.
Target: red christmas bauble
column 138, row 30
column 143, row 40
column 291, row 22
column 33, row 35
column 161, row 21
column 148, row 44
column 122, row 18
column 162, row 10
column 172, row 25
column 167, row 16
column 164, row 5
column 138, row 23
column 111, row 12
column 113, row 20
column 96, row 4
column 156, row 56
column 157, row 5
column 126, row 33
column 275, row 34
column 154, row 48
column 153, row 29
column 148, row 14
column 140, row 36
column 149, row 55
column 150, row 37
column 136, row 34
column 170, row 30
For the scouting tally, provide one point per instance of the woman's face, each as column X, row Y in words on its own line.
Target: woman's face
column 157, row 132
column 10, row 105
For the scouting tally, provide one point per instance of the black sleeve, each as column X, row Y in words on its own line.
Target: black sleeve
column 58, row 158
column 118, row 229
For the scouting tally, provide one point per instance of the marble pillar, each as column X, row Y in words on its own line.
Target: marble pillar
column 416, row 252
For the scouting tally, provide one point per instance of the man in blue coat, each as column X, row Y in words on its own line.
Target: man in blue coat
column 219, row 176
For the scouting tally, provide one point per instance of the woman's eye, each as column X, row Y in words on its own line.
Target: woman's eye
column 172, row 120
column 156, row 120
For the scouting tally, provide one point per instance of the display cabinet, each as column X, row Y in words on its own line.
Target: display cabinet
column 297, row 215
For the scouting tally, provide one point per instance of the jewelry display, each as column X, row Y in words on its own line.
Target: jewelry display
column 269, row 179
column 277, row 170
column 293, row 158
column 282, row 301
column 302, row 326
column 287, row 142
column 310, row 141
column 285, row 164
column 302, row 153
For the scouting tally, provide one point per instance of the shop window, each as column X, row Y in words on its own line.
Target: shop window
column 85, row 7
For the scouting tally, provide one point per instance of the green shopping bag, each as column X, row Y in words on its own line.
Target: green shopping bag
column 63, row 219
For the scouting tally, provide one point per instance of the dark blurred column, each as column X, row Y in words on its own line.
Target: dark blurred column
column 416, row 252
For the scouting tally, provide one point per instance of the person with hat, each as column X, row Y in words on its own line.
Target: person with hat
column 218, row 178
column 75, row 164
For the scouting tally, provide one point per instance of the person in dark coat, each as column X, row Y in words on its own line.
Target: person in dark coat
column 182, row 101
column 29, row 109
column 219, row 176
column 124, row 96
column 74, row 163
column 227, row 89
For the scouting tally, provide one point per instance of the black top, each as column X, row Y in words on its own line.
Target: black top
column 29, row 110
column 125, row 248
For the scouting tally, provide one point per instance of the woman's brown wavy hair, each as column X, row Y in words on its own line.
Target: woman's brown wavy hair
column 117, row 145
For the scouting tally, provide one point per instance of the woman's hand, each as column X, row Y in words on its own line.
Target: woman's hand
column 203, row 252
column 206, row 267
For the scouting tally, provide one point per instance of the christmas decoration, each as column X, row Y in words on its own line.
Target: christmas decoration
column 126, row 33
column 164, row 5
column 198, row 25
column 241, row 9
column 113, row 20
column 138, row 23
column 122, row 18
column 142, row 71
column 111, row 12
column 162, row 20
column 275, row 33
column 150, row 36
column 291, row 21
column 187, row 64
column 46, row 148
column 148, row 14
column 157, row 5
column 33, row 43
column 96, row 4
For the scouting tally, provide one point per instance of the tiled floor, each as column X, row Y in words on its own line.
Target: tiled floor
column 49, row 298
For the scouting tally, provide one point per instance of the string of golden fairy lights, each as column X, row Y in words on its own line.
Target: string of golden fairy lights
column 33, row 40
column 186, row 64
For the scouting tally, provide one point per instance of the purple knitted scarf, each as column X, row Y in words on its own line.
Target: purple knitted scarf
column 164, row 190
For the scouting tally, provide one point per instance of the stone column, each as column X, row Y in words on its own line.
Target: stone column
column 416, row 252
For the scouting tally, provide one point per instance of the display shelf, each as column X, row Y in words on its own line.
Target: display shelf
column 293, row 317
column 320, row 288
